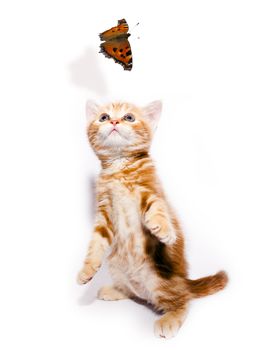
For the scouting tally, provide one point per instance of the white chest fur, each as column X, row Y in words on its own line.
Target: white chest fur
column 125, row 210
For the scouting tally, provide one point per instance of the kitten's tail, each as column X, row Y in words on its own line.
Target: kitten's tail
column 208, row 285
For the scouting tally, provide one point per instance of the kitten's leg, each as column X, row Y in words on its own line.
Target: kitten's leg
column 102, row 238
column 157, row 219
column 97, row 247
column 169, row 324
column 111, row 293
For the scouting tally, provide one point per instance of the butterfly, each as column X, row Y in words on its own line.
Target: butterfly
column 116, row 44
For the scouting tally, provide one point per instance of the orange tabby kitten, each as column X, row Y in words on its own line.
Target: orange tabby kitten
column 135, row 220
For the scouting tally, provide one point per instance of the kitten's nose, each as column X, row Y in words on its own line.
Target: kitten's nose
column 114, row 121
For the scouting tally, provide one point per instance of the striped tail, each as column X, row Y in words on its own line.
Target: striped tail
column 208, row 285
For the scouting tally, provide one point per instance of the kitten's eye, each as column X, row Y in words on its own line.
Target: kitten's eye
column 104, row 117
column 129, row 118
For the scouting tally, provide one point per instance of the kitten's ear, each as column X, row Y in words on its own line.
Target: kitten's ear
column 152, row 113
column 91, row 110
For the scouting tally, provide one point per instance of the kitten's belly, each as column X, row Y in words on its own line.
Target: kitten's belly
column 131, row 271
column 128, row 263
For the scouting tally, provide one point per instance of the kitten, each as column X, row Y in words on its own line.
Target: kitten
column 135, row 220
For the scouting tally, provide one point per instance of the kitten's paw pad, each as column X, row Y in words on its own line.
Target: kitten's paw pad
column 166, row 328
column 109, row 293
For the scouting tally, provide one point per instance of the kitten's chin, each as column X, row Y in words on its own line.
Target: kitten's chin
column 116, row 140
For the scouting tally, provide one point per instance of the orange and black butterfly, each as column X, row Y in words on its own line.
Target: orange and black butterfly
column 116, row 44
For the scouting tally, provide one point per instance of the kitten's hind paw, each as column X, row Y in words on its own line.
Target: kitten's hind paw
column 110, row 293
column 166, row 329
column 169, row 324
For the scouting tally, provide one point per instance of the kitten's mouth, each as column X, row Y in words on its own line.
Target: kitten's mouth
column 114, row 131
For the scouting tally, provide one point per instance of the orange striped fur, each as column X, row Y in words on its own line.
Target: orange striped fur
column 135, row 221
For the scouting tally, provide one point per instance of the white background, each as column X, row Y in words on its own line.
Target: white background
column 210, row 62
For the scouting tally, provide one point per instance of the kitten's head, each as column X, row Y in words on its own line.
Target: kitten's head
column 121, row 128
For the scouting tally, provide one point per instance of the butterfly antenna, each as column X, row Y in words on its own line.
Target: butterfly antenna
column 135, row 26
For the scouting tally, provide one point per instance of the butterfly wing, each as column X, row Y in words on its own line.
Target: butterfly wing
column 119, row 50
column 115, row 32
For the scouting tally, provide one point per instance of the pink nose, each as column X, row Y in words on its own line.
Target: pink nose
column 114, row 121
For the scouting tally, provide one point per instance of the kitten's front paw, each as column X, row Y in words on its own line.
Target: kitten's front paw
column 86, row 274
column 83, row 278
column 164, row 232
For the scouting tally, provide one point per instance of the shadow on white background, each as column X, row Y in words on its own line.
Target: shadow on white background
column 85, row 73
